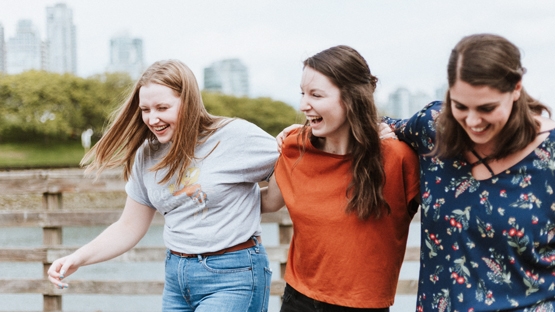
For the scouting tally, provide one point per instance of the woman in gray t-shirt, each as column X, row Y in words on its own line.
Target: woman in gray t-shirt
column 199, row 171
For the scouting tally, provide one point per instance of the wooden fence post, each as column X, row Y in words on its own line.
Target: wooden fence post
column 51, row 236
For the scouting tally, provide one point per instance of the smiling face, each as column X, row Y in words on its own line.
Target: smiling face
column 321, row 104
column 482, row 111
column 160, row 107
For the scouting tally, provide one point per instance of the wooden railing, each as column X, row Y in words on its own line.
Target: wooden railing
column 43, row 204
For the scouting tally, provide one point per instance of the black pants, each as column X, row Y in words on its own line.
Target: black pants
column 294, row 301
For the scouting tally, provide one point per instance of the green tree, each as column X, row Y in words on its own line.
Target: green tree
column 39, row 105
column 270, row 115
column 43, row 106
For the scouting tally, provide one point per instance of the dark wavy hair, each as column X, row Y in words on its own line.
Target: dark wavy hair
column 488, row 60
column 348, row 70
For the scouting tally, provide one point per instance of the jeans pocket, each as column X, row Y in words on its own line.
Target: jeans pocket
column 287, row 294
column 233, row 262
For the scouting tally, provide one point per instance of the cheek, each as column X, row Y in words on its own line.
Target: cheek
column 458, row 116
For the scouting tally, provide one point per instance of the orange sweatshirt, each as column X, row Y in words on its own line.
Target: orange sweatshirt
column 335, row 257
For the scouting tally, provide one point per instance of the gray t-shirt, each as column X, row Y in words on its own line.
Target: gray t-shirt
column 217, row 203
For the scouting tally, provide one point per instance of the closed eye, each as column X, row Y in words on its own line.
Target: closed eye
column 487, row 109
column 460, row 107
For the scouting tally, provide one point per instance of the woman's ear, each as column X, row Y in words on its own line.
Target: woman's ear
column 516, row 91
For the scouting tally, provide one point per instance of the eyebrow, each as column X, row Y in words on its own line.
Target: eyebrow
column 481, row 105
column 311, row 90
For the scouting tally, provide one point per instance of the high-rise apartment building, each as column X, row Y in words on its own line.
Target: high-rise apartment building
column 403, row 104
column 62, row 45
column 126, row 55
column 399, row 103
column 2, row 50
column 228, row 76
column 25, row 50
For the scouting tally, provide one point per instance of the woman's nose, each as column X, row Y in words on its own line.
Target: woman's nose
column 473, row 119
column 304, row 106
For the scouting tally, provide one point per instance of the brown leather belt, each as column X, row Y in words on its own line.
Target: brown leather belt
column 248, row 244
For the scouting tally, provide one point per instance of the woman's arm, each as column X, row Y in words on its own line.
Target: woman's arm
column 419, row 130
column 271, row 197
column 112, row 242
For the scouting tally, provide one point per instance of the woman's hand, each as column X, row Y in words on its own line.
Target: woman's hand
column 284, row 133
column 62, row 268
column 386, row 132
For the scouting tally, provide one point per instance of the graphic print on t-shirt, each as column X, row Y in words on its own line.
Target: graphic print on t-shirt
column 190, row 187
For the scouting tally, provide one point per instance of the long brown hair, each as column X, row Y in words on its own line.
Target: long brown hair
column 488, row 60
column 348, row 70
column 127, row 131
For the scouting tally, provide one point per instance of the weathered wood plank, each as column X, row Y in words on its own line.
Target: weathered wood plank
column 63, row 218
column 407, row 287
column 115, row 287
column 412, row 254
column 137, row 254
column 281, row 217
column 23, row 254
column 69, row 217
column 55, row 181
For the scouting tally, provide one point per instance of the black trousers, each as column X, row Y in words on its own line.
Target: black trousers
column 294, row 301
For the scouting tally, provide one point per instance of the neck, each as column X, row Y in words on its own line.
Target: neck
column 329, row 146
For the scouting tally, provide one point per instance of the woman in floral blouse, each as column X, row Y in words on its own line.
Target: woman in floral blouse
column 487, row 160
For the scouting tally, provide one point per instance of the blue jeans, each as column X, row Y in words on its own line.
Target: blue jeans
column 294, row 301
column 236, row 281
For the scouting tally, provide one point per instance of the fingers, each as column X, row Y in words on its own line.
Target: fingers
column 57, row 272
column 284, row 133
column 384, row 129
column 390, row 135
column 291, row 128
column 280, row 138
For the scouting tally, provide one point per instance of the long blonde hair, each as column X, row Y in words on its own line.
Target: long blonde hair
column 127, row 131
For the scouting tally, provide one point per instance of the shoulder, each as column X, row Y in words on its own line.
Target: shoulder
column 293, row 139
column 395, row 152
column 393, row 148
column 239, row 125
column 546, row 123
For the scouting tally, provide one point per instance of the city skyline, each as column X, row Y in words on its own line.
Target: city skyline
column 227, row 76
column 406, row 43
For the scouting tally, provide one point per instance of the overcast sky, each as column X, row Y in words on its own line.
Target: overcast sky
column 405, row 42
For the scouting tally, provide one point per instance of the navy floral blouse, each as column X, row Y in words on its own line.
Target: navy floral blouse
column 486, row 245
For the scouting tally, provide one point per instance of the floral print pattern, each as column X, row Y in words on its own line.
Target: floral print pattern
column 486, row 245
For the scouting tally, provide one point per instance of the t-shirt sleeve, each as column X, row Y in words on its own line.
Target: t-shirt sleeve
column 135, row 187
column 256, row 150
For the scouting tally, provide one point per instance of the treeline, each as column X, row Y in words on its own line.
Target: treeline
column 43, row 106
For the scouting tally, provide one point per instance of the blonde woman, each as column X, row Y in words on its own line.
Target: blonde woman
column 199, row 172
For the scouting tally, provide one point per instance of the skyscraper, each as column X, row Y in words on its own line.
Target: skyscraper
column 126, row 55
column 228, row 76
column 62, row 46
column 2, row 50
column 403, row 104
column 24, row 50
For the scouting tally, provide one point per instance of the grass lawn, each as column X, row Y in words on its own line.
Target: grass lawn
column 40, row 155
